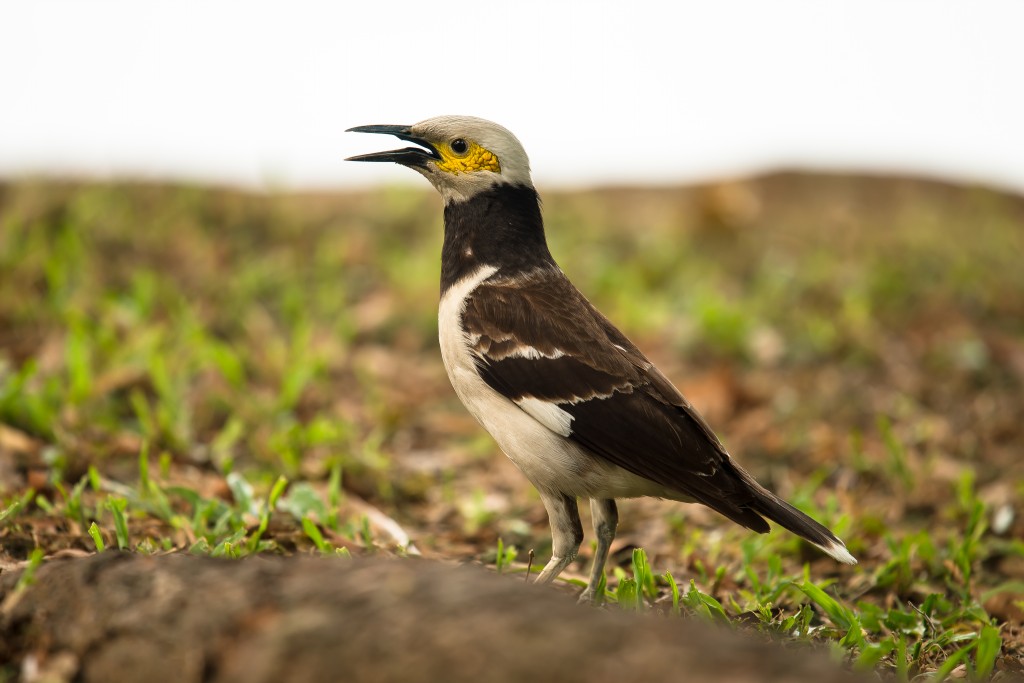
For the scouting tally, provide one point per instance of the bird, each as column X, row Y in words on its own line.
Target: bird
column 568, row 398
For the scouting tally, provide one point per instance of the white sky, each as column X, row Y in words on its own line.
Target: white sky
column 260, row 92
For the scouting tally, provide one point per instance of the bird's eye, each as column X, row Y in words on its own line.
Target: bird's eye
column 459, row 146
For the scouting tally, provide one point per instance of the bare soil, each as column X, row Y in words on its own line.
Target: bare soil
column 186, row 619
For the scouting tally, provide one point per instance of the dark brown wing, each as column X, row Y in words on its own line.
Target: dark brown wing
column 536, row 336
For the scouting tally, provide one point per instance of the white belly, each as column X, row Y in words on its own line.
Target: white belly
column 549, row 460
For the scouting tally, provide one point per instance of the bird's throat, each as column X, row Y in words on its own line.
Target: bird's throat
column 500, row 227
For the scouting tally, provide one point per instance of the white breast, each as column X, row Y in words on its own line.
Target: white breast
column 532, row 436
column 455, row 350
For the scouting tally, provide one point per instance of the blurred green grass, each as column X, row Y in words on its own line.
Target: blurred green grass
column 169, row 353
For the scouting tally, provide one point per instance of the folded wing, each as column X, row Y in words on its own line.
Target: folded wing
column 540, row 343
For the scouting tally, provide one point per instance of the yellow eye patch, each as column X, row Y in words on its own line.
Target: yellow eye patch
column 476, row 158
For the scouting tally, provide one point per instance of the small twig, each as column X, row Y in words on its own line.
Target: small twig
column 529, row 564
column 383, row 523
column 932, row 626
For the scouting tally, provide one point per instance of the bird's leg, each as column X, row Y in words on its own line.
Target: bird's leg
column 606, row 519
column 566, row 533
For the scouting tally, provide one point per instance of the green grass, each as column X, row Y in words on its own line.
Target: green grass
column 194, row 370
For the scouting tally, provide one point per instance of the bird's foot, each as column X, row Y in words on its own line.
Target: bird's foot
column 589, row 596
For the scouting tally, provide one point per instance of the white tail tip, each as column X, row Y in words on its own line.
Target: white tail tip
column 839, row 552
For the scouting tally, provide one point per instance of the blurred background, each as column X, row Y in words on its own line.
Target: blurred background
column 218, row 336
column 599, row 92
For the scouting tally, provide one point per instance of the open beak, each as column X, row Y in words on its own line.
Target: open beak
column 410, row 156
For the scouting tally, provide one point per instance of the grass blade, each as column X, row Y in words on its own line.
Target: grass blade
column 990, row 644
column 97, row 538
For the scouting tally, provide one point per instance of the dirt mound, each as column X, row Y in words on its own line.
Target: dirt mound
column 120, row 617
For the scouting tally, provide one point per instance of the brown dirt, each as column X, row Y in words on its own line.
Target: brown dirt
column 119, row 617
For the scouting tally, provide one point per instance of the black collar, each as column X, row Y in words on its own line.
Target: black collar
column 501, row 226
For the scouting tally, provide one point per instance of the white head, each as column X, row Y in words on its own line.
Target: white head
column 461, row 155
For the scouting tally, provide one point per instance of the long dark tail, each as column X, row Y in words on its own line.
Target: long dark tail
column 774, row 508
